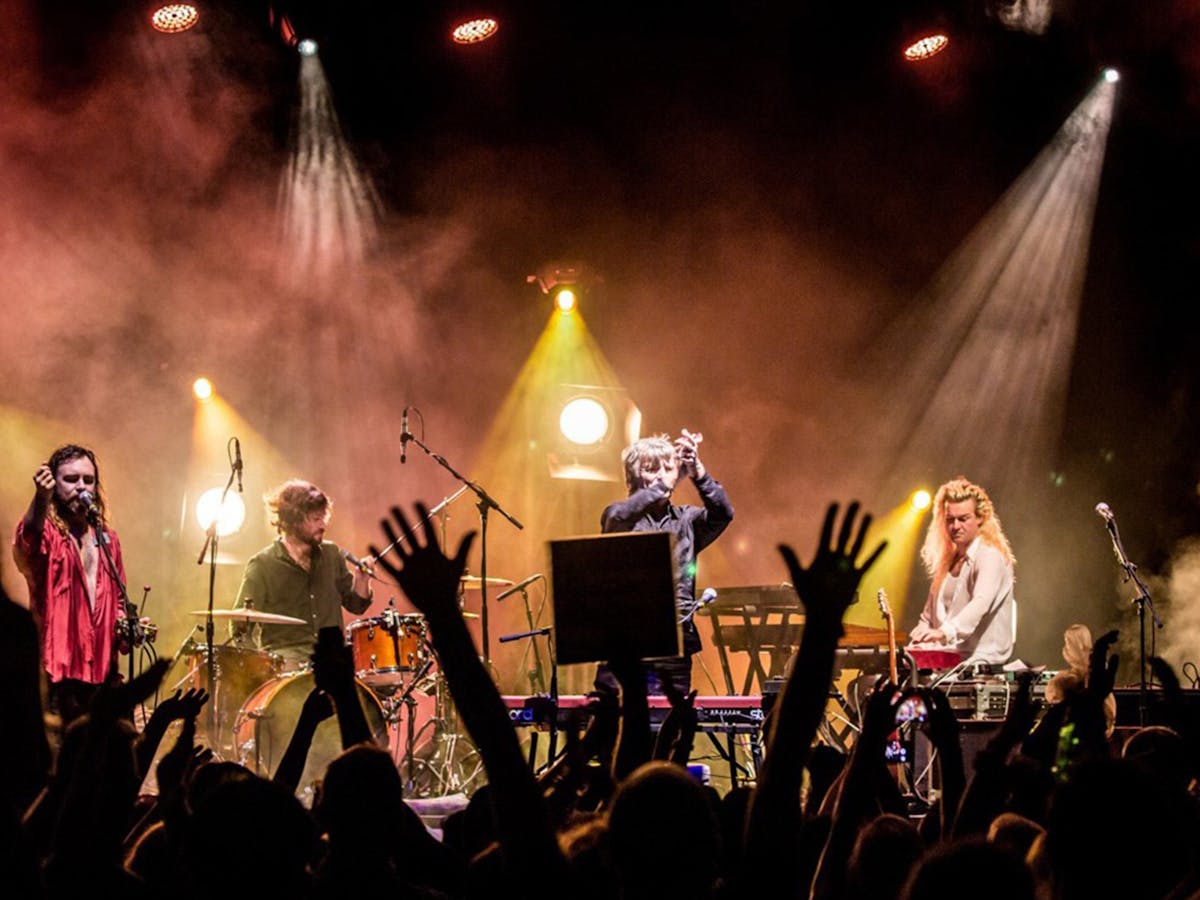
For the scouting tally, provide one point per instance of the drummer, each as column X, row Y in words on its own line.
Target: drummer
column 301, row 574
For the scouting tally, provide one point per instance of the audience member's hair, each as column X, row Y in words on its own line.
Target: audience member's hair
column 663, row 834
column 884, row 853
column 972, row 866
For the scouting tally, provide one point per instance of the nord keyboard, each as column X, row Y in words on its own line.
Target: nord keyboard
column 739, row 714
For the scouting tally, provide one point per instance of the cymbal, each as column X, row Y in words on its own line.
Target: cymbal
column 473, row 581
column 470, row 615
column 250, row 615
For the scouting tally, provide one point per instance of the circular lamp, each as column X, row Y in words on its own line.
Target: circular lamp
column 229, row 516
column 172, row 18
column 583, row 421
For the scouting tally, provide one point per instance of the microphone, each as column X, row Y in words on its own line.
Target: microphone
column 405, row 437
column 520, row 586
column 237, row 462
column 708, row 596
column 90, row 509
column 356, row 562
column 1104, row 511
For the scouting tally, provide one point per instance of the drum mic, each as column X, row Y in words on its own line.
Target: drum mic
column 237, row 462
column 519, row 586
column 405, row 437
column 1104, row 511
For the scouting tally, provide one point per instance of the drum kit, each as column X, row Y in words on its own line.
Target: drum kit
column 257, row 696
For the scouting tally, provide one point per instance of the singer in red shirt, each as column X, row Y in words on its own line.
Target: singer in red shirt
column 74, row 598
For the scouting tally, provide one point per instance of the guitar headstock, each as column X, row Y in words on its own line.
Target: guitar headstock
column 885, row 608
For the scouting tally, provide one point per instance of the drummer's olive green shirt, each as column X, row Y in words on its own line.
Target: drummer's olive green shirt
column 274, row 583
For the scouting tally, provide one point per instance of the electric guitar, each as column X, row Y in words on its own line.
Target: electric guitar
column 885, row 609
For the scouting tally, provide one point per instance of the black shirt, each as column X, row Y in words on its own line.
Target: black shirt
column 694, row 528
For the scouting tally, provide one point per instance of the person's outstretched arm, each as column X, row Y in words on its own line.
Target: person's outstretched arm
column 316, row 709
column 983, row 800
column 634, row 742
column 333, row 674
column 430, row 579
column 856, row 802
column 826, row 588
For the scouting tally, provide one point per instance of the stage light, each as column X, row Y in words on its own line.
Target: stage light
column 565, row 283
column 564, row 299
column 1112, row 76
column 307, row 47
column 926, row 46
column 583, row 421
column 229, row 516
column 920, row 500
column 590, row 423
column 203, row 389
column 474, row 31
column 172, row 18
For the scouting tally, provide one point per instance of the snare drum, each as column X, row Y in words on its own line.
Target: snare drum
column 267, row 719
column 388, row 646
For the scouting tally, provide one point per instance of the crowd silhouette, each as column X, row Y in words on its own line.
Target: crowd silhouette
column 1048, row 810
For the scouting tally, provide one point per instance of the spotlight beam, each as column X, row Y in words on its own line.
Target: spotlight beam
column 996, row 326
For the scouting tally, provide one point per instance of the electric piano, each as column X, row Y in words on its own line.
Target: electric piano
column 730, row 714
column 769, row 619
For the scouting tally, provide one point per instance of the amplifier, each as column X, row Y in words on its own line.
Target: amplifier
column 987, row 698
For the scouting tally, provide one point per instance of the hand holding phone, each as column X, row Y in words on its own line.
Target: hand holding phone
column 912, row 708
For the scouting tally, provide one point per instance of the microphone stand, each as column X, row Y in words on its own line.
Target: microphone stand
column 446, row 501
column 1142, row 600
column 210, row 545
column 485, row 504
column 535, row 633
column 132, row 621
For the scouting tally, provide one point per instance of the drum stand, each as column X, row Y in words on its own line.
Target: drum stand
column 391, row 709
column 453, row 766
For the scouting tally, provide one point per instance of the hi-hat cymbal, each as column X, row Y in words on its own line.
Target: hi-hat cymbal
column 473, row 581
column 250, row 615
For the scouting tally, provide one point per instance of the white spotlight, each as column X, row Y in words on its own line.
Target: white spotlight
column 1112, row 75
column 229, row 515
column 307, row 47
column 583, row 421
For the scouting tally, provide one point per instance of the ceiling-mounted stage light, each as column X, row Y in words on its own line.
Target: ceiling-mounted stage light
column 474, row 30
column 172, row 18
column 564, row 299
column 925, row 46
column 564, row 283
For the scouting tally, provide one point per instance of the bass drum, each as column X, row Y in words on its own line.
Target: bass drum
column 267, row 719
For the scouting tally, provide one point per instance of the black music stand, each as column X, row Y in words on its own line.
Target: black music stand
column 614, row 596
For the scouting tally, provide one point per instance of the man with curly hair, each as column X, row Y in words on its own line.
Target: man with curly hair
column 301, row 574
column 74, row 597
column 970, row 609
